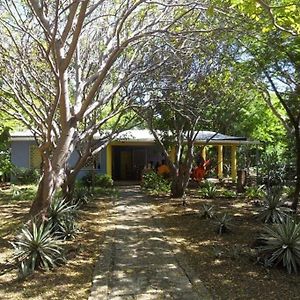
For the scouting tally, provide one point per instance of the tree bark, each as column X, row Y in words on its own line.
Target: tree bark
column 180, row 182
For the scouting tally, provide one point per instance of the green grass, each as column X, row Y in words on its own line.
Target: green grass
column 18, row 193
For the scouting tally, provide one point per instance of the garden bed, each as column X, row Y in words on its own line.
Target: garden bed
column 69, row 281
column 225, row 263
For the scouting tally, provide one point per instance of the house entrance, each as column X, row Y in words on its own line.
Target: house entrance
column 129, row 161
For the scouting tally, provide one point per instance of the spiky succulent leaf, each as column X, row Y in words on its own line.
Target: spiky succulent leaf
column 282, row 244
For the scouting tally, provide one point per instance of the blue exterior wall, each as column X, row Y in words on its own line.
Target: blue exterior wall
column 20, row 153
column 20, row 157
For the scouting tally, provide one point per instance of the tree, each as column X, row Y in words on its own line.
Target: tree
column 181, row 98
column 62, row 61
column 272, row 49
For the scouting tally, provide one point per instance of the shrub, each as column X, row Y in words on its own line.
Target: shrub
column 155, row 183
column 207, row 212
column 26, row 176
column 100, row 180
column 255, row 192
column 272, row 210
column 281, row 244
column 224, row 224
column 36, row 248
column 103, row 180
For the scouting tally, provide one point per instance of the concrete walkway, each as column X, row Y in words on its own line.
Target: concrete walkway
column 137, row 261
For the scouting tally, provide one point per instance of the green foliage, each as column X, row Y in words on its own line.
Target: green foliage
column 208, row 190
column 81, row 196
column 25, row 176
column 207, row 211
column 68, row 228
column 155, row 183
column 100, row 180
column 281, row 244
column 36, row 247
column 228, row 193
column 60, row 214
column 255, row 192
column 224, row 223
column 273, row 211
column 5, row 162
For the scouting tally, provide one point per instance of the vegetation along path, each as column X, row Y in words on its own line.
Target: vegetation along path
column 137, row 261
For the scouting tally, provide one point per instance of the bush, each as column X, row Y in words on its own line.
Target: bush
column 273, row 211
column 281, row 244
column 100, row 180
column 155, row 183
column 36, row 247
column 26, row 176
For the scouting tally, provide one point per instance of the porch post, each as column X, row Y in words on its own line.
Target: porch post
column 233, row 163
column 203, row 153
column 220, row 161
column 109, row 160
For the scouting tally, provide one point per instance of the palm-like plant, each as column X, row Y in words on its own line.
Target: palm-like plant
column 36, row 247
column 272, row 210
column 282, row 244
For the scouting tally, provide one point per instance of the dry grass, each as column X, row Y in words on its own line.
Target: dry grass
column 69, row 281
column 225, row 263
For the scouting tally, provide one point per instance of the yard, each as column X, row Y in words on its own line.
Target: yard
column 225, row 263
column 69, row 281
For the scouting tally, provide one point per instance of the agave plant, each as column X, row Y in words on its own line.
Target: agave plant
column 272, row 210
column 224, row 223
column 67, row 228
column 207, row 211
column 58, row 211
column 208, row 191
column 81, row 197
column 282, row 244
column 255, row 192
column 36, row 248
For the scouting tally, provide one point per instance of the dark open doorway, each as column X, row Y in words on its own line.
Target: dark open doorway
column 129, row 161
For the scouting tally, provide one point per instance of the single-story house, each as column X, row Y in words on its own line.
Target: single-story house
column 125, row 157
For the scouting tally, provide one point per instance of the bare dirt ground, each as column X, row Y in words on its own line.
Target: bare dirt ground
column 69, row 281
column 225, row 263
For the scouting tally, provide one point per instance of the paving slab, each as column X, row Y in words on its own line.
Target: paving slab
column 137, row 261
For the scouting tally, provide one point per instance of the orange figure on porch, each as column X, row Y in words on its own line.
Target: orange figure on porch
column 202, row 166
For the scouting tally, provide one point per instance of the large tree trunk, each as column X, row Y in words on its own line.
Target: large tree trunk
column 180, row 182
column 297, row 187
column 53, row 172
